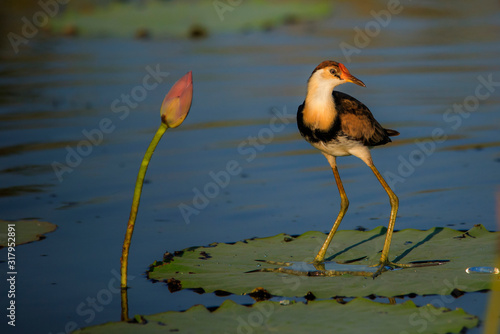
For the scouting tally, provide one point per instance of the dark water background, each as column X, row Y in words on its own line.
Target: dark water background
column 426, row 63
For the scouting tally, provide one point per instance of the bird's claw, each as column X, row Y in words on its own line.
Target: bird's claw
column 388, row 265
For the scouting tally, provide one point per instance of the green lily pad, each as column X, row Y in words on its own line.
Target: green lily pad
column 23, row 231
column 233, row 267
column 177, row 18
column 328, row 316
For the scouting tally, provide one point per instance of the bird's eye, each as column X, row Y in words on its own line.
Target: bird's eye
column 332, row 71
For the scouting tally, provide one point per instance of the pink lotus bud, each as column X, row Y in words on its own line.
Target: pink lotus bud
column 177, row 102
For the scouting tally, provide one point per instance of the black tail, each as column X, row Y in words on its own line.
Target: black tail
column 391, row 133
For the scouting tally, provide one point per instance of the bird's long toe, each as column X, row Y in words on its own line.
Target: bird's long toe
column 388, row 265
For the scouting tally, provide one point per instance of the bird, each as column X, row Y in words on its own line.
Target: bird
column 339, row 125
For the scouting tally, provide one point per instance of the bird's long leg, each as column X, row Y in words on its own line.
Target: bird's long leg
column 384, row 261
column 344, row 205
column 394, row 210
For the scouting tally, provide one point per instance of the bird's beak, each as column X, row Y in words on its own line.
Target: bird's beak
column 349, row 77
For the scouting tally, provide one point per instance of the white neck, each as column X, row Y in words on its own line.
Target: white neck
column 319, row 91
column 319, row 101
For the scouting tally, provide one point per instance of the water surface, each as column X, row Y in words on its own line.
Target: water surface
column 423, row 67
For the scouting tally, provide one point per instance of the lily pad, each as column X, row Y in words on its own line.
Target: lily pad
column 234, row 267
column 23, row 231
column 177, row 18
column 328, row 316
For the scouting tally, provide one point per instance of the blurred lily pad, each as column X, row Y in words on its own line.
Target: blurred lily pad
column 328, row 316
column 177, row 18
column 234, row 267
column 24, row 231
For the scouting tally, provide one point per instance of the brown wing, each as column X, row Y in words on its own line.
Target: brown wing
column 357, row 122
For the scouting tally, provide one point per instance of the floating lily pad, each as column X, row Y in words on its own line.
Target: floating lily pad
column 177, row 18
column 328, row 316
column 234, row 267
column 23, row 231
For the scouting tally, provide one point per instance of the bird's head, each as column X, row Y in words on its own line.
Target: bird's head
column 330, row 74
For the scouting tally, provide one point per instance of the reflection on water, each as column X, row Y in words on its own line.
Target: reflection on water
column 425, row 62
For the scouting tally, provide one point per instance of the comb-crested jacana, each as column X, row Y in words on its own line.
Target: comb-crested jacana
column 339, row 125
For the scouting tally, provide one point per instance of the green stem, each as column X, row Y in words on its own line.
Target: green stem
column 124, row 303
column 135, row 202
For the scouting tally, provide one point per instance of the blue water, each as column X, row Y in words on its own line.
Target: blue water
column 427, row 59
